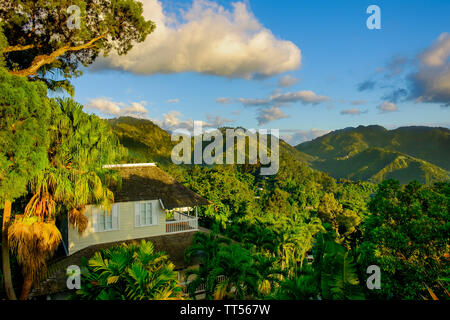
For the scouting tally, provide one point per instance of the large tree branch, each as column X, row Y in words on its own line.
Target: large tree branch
column 44, row 59
column 18, row 48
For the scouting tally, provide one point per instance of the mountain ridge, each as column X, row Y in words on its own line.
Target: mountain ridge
column 369, row 153
column 405, row 153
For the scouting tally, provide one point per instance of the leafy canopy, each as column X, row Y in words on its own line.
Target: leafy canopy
column 129, row 272
column 24, row 117
column 39, row 38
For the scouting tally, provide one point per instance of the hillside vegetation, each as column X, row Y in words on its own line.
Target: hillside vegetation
column 374, row 153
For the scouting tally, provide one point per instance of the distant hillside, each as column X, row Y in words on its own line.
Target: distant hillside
column 374, row 153
column 144, row 140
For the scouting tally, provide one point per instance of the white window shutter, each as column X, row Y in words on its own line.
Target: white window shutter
column 94, row 219
column 154, row 214
column 115, row 217
column 137, row 214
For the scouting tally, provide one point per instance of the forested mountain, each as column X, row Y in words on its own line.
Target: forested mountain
column 370, row 153
column 374, row 153
column 144, row 140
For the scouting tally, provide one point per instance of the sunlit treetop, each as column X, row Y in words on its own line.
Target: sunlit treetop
column 59, row 35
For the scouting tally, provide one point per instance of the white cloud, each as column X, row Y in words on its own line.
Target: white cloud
column 358, row 102
column 173, row 101
column 175, row 120
column 172, row 121
column 287, row 81
column 431, row 83
column 108, row 107
column 254, row 102
column 209, row 39
column 353, row 111
column 217, row 121
column 223, row 100
column 305, row 97
column 437, row 55
column 295, row 137
column 270, row 114
column 387, row 107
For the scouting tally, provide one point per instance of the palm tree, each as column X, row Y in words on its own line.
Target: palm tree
column 302, row 285
column 260, row 236
column 204, row 248
column 335, row 269
column 269, row 273
column 24, row 117
column 294, row 240
column 129, row 272
column 206, row 245
column 236, row 265
column 79, row 145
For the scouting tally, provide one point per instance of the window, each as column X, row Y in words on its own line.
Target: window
column 144, row 214
column 104, row 220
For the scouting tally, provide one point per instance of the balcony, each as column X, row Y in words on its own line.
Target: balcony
column 181, row 222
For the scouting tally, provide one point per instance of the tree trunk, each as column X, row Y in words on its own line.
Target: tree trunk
column 26, row 287
column 5, row 252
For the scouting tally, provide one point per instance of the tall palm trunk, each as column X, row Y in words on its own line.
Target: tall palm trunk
column 5, row 252
column 26, row 287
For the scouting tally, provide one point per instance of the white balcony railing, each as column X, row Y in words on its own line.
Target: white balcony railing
column 181, row 223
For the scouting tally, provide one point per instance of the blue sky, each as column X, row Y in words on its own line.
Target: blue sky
column 321, row 68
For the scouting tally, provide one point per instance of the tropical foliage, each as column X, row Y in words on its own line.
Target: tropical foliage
column 129, row 272
column 406, row 235
column 24, row 116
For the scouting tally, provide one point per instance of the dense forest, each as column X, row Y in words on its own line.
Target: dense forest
column 309, row 232
column 343, row 225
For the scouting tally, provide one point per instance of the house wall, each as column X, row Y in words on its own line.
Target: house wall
column 127, row 229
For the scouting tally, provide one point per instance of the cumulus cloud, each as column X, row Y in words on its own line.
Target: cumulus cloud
column 217, row 121
column 173, row 101
column 305, row 97
column 387, row 107
column 223, row 100
column 353, row 111
column 431, row 82
column 270, row 114
column 269, row 108
column 210, row 39
column 254, row 102
column 295, row 137
column 174, row 120
column 108, row 107
column 287, row 81
column 358, row 102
